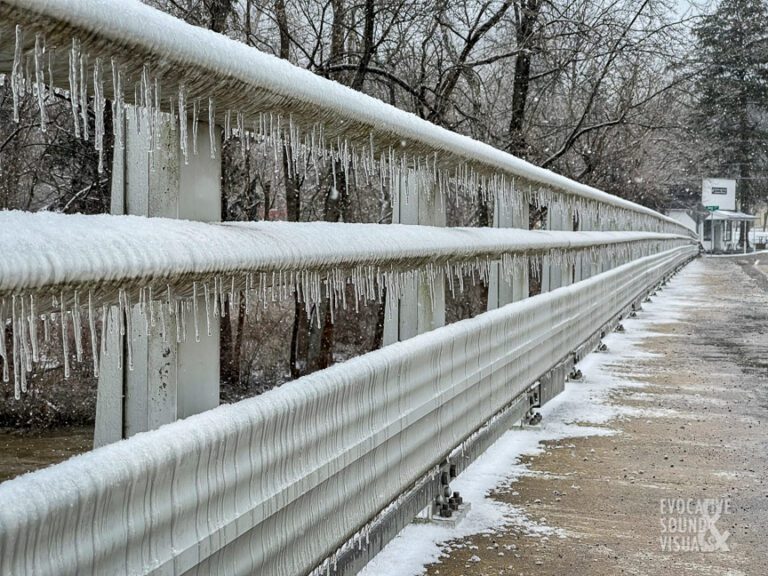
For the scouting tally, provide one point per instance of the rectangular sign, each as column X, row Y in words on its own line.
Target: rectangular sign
column 719, row 192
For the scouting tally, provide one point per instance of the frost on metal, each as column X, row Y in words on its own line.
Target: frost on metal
column 70, row 269
column 128, row 53
column 274, row 484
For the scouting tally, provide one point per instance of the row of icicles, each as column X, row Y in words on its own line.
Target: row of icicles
column 171, row 311
column 272, row 135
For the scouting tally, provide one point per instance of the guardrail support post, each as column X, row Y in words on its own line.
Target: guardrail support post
column 501, row 292
column 416, row 313
column 557, row 274
column 168, row 381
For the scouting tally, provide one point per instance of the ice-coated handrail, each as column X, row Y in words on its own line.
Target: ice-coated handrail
column 242, row 82
column 49, row 250
column 75, row 265
column 274, row 484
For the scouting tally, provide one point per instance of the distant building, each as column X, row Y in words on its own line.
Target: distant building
column 722, row 229
column 715, row 218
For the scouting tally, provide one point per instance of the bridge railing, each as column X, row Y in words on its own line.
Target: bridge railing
column 279, row 483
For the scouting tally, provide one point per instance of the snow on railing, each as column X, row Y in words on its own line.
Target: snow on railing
column 71, row 268
column 304, row 467
column 129, row 52
column 273, row 485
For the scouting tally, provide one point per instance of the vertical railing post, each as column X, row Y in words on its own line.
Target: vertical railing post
column 566, row 224
column 416, row 202
column 501, row 292
column 168, row 380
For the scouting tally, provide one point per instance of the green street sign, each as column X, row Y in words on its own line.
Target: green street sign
column 712, row 208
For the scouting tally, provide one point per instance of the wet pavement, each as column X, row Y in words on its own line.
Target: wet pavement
column 681, row 487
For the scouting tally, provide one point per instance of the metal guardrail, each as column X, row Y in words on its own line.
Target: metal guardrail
column 47, row 253
column 129, row 52
column 275, row 484
column 55, row 263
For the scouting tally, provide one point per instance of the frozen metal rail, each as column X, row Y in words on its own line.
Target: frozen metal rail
column 177, row 270
column 275, row 484
column 115, row 47
column 47, row 253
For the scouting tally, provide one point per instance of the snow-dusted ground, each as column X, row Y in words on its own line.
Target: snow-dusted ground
column 583, row 409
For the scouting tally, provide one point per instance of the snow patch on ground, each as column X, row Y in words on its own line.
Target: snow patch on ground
column 583, row 409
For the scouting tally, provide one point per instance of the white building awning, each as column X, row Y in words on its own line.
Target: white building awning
column 730, row 215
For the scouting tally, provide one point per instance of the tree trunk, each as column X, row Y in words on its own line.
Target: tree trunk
column 528, row 16
column 219, row 11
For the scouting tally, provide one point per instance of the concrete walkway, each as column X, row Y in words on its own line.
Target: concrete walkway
column 694, row 434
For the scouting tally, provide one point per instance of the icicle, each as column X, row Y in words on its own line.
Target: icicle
column 241, row 132
column 118, row 108
column 194, row 312
column 78, row 328
column 207, row 296
column 64, row 336
column 223, row 310
column 121, row 316
column 33, row 329
column 172, row 114
column 212, row 127
column 24, row 365
column 154, row 112
column 46, row 328
column 23, row 325
column 128, row 311
column 92, row 330
column 218, row 298
column 84, row 96
column 17, row 76
column 15, row 343
column 195, row 122
column 183, row 312
column 247, row 292
column 26, row 361
column 40, row 80
column 51, row 57
column 99, row 104
column 3, row 351
column 104, row 330
column 151, row 308
column 183, row 140
column 163, row 325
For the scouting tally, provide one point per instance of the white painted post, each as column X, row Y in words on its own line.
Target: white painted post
column 416, row 312
column 579, row 266
column 551, row 273
column 566, row 223
column 168, row 381
column 500, row 292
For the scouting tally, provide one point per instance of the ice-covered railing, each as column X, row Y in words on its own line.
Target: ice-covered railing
column 275, row 484
column 127, row 52
column 69, row 269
